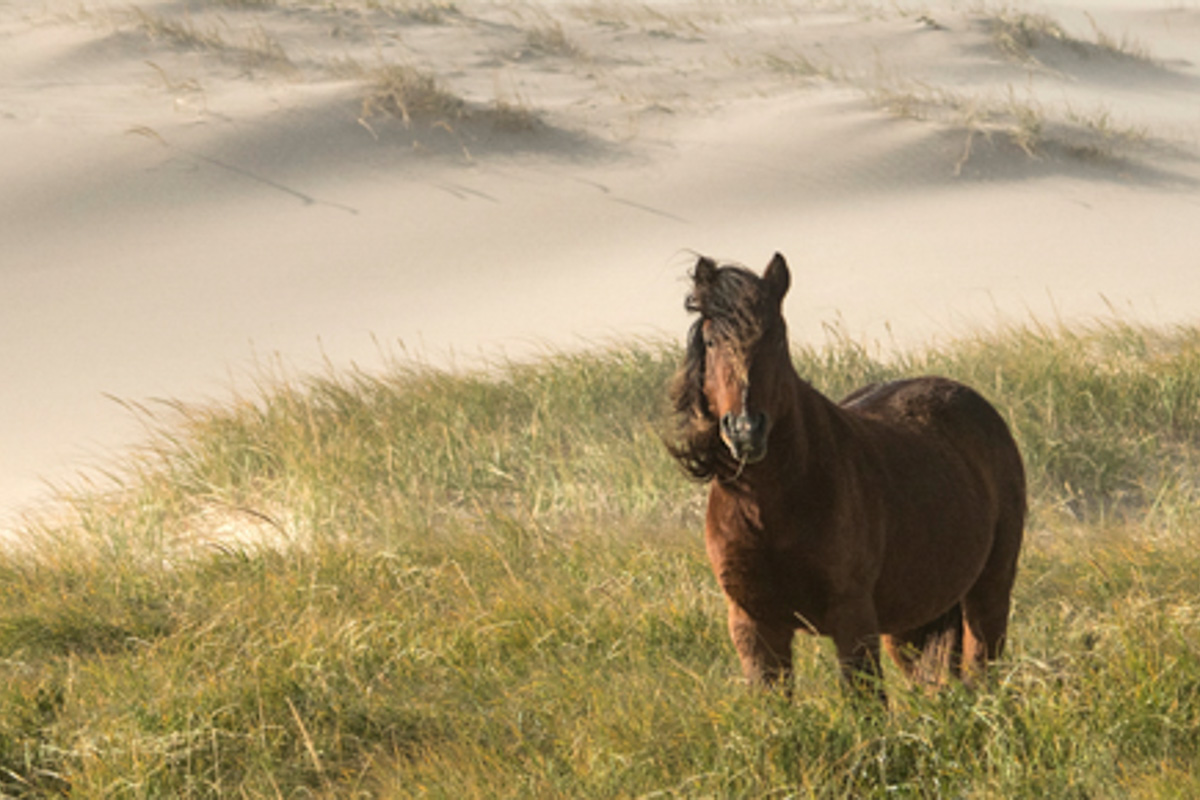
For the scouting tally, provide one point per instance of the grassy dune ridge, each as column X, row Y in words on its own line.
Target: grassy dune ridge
column 422, row 583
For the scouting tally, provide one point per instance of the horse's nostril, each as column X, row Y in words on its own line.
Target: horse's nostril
column 743, row 426
column 736, row 425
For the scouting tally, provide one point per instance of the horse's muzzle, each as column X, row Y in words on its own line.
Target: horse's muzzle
column 746, row 436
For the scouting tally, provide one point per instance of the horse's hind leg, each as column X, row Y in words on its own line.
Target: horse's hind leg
column 929, row 654
column 986, row 605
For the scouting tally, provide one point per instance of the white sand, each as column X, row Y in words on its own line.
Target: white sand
column 174, row 205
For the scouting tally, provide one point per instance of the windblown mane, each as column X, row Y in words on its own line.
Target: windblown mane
column 731, row 299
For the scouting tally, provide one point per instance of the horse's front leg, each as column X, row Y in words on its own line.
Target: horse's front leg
column 764, row 650
column 855, row 632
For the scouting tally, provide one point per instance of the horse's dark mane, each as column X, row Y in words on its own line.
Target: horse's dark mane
column 731, row 299
column 696, row 441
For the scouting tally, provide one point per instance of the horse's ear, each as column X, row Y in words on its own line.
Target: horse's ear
column 777, row 277
column 705, row 272
column 703, row 278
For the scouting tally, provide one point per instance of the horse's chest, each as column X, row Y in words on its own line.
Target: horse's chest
column 771, row 584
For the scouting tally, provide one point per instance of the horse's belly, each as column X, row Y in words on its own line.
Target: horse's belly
column 919, row 584
column 905, row 614
column 782, row 588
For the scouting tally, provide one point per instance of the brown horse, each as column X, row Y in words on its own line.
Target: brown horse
column 897, row 513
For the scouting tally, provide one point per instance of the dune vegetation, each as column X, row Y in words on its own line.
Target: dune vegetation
column 492, row 583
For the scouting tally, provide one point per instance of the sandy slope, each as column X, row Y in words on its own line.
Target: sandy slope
column 192, row 186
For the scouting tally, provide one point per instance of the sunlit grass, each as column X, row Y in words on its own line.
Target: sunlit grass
column 421, row 583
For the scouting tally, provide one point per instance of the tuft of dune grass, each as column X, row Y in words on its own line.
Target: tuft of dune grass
column 254, row 49
column 409, row 93
column 1018, row 34
column 419, row 99
column 493, row 583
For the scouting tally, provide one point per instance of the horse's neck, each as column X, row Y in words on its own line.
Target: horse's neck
column 809, row 431
column 800, row 455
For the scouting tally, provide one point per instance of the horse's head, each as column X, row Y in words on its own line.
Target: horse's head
column 727, row 391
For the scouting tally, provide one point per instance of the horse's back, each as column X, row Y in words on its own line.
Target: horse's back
column 952, row 414
column 933, row 404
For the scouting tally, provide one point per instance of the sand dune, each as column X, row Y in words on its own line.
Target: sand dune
column 186, row 187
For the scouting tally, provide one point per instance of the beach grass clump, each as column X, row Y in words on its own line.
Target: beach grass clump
column 409, row 93
column 1017, row 33
column 1123, row 45
column 791, row 63
column 1018, row 119
column 251, row 47
column 184, row 33
column 419, row 99
column 417, row 582
column 548, row 37
column 512, row 116
column 1101, row 122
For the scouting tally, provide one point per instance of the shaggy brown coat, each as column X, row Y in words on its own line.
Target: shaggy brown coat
column 897, row 513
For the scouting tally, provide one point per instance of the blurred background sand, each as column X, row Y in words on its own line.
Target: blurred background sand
column 193, row 193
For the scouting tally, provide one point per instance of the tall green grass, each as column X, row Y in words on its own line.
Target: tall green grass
column 492, row 584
